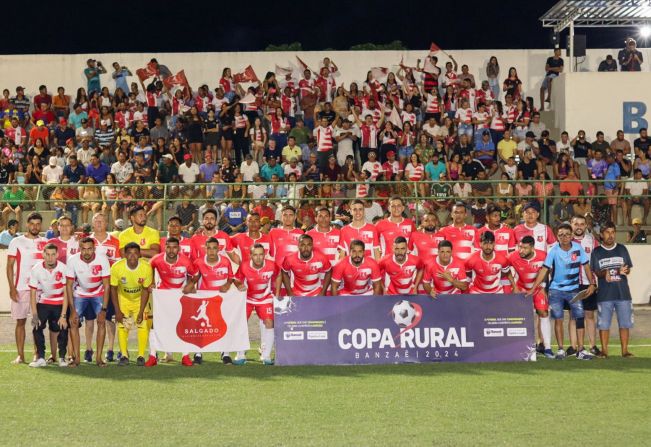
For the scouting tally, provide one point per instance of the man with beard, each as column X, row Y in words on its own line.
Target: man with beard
column 325, row 236
column 504, row 237
column 401, row 270
column 445, row 275
column 424, row 243
column 146, row 237
column 357, row 274
column 459, row 233
column 306, row 273
column 488, row 267
column 210, row 231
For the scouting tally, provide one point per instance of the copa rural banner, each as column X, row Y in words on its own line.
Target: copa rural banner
column 199, row 322
column 354, row 330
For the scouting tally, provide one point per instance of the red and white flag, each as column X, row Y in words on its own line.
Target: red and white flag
column 429, row 67
column 248, row 75
column 394, row 118
column 433, row 48
column 302, row 65
column 147, row 72
column 380, row 73
column 249, row 98
column 205, row 321
column 282, row 71
column 177, row 79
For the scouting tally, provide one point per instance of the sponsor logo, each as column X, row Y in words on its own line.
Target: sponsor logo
column 493, row 332
column 293, row 335
column 516, row 332
column 201, row 322
column 317, row 335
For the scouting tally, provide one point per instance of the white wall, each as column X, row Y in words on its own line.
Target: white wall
column 66, row 70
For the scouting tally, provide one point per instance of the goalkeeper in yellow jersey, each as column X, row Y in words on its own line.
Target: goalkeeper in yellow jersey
column 131, row 278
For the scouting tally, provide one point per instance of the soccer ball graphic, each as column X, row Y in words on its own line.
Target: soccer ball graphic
column 403, row 313
column 203, row 324
column 283, row 305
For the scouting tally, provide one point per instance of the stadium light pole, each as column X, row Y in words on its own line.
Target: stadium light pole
column 571, row 37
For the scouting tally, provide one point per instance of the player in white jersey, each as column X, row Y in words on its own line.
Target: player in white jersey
column 88, row 275
column 49, row 304
column 23, row 253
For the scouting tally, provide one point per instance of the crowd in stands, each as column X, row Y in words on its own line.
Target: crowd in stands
column 435, row 134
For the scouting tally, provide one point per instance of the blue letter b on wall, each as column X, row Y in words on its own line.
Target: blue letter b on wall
column 633, row 115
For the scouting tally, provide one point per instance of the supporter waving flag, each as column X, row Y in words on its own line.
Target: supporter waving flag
column 177, row 79
column 147, row 72
column 248, row 75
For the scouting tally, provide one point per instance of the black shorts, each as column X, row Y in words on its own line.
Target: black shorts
column 590, row 303
column 49, row 313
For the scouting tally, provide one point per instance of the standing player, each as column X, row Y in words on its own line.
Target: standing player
column 564, row 260
column 210, row 231
column 244, row 241
column 105, row 245
column 357, row 274
column 23, row 253
column 173, row 270
column 359, row 230
column 67, row 244
column 459, row 233
column 612, row 265
column 212, row 272
column 543, row 236
column 325, row 237
column 131, row 278
column 588, row 243
column 139, row 233
column 401, row 270
column 504, row 237
column 527, row 262
column 445, row 275
column 395, row 225
column 306, row 273
column 424, row 243
column 174, row 230
column 255, row 276
column 49, row 303
column 284, row 239
column 488, row 267
column 88, row 286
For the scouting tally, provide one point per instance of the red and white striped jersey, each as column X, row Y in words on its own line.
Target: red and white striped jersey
column 498, row 123
column 376, row 114
column 240, row 121
column 432, row 104
column 27, row 253
column 527, row 269
column 456, row 268
column 185, row 245
column 588, row 243
column 425, row 245
column 389, row 138
column 361, row 190
column 213, row 276
column 400, row 278
column 172, row 276
column 356, row 280
column 324, row 138
column 481, row 116
column 367, row 234
column 198, row 243
column 123, row 119
column 483, row 95
column 504, row 238
column 288, row 104
column 511, row 113
column 462, row 239
column 227, row 84
column 306, row 276
column 306, row 86
column 414, row 173
column 109, row 247
column 486, row 275
column 259, row 287
column 388, row 231
column 65, row 249
column 471, row 95
column 543, row 236
column 49, row 284
column 284, row 242
column 408, row 118
column 278, row 125
column 88, row 276
column 326, row 243
column 464, row 116
column 374, row 167
column 243, row 242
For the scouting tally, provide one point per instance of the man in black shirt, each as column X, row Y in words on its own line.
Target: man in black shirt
column 581, row 148
column 527, row 168
column 553, row 67
column 630, row 59
column 643, row 142
column 612, row 264
column 608, row 64
column 7, row 170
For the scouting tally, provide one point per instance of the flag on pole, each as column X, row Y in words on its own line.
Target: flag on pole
column 177, row 79
column 248, row 75
column 282, row 71
column 302, row 65
column 429, row 67
column 433, row 48
column 147, row 72
column 394, row 118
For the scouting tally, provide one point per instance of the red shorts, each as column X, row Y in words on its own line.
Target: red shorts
column 264, row 311
column 540, row 301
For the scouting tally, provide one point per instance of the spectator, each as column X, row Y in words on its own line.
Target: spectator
column 235, row 218
column 9, row 233
column 562, row 211
column 189, row 171
column 642, row 143
column 97, row 170
column 553, row 68
column 208, row 168
column 504, row 187
column 271, row 168
column 608, row 64
column 636, row 236
column 85, row 152
column 492, row 73
column 122, row 169
column 120, row 73
column 61, row 103
column 485, row 152
column 506, row 147
column 637, row 192
column 91, row 72
column 187, row 212
column 536, row 126
column 581, row 148
column 91, row 199
column 620, row 143
column 571, row 186
column 630, row 59
column 13, row 199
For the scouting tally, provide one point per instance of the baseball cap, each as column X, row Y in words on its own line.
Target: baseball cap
column 54, row 221
column 187, row 157
column 533, row 204
column 485, row 132
column 637, row 221
column 40, row 123
column 53, row 161
column 168, row 156
column 70, row 140
column 20, row 88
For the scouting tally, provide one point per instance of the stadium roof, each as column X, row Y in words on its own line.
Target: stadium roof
column 597, row 13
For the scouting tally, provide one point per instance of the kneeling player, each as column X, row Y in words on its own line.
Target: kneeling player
column 255, row 276
column 527, row 262
column 359, row 274
column 488, row 267
column 402, row 270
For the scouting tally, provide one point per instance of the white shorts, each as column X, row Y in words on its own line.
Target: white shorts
column 21, row 309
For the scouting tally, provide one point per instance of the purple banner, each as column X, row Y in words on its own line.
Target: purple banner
column 356, row 330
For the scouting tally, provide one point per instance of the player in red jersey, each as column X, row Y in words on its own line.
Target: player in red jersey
column 284, row 239
column 244, row 241
column 326, row 237
column 306, row 273
column 198, row 241
column 174, row 230
column 255, row 276
column 213, row 272
column 357, row 274
column 527, row 263
column 459, row 233
column 402, row 271
column 173, row 269
column 105, row 245
column 504, row 237
column 488, row 266
column 359, row 230
column 67, row 244
column 424, row 243
column 543, row 235
column 395, row 225
column 445, row 275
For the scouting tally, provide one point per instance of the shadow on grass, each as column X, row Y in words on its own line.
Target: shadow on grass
column 255, row 371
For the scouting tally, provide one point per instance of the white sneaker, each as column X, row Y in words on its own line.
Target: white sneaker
column 584, row 355
column 63, row 363
column 38, row 363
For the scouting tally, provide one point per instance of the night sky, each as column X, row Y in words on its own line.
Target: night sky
column 248, row 25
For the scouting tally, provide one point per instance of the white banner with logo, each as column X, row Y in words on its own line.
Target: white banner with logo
column 205, row 321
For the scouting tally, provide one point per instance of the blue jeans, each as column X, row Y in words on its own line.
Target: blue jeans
column 494, row 85
column 556, row 300
column 88, row 308
column 465, row 129
column 624, row 310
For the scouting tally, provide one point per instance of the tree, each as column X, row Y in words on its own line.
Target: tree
column 395, row 45
column 294, row 46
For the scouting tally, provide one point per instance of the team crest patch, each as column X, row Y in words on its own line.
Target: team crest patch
column 201, row 322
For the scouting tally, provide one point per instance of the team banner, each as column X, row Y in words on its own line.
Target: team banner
column 353, row 330
column 205, row 321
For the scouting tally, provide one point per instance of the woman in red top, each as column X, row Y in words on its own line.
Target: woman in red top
column 279, row 127
column 226, row 81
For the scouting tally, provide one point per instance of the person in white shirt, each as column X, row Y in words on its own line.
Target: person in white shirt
column 122, row 169
column 189, row 171
column 372, row 210
column 85, row 152
column 249, row 168
column 345, row 136
column 53, row 173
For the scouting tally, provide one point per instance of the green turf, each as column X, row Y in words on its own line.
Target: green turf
column 603, row 402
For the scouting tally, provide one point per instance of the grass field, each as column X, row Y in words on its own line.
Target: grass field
column 603, row 402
